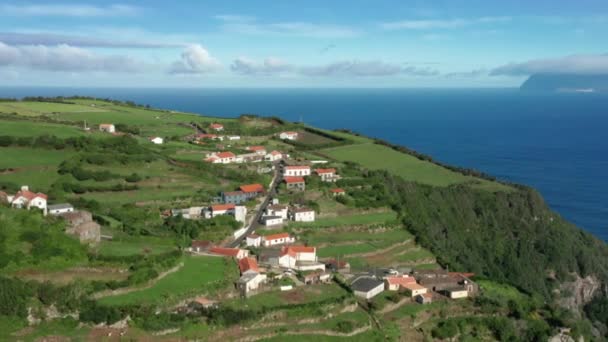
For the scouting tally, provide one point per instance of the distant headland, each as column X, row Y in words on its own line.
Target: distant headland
column 566, row 83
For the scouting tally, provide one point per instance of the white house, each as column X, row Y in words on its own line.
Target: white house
column 277, row 210
column 108, row 128
column 233, row 137
column 301, row 258
column 271, row 220
column 238, row 211
column 277, row 239
column 288, row 136
column 217, row 127
column 273, row 156
column 413, row 289
column 251, row 281
column 302, row 215
column 260, row 150
column 58, row 209
column 157, row 140
column 456, row 293
column 27, row 199
column 367, row 287
column 296, row 170
column 253, row 240
column 327, row 175
column 221, row 158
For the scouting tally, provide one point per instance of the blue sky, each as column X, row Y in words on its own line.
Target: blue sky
column 299, row 43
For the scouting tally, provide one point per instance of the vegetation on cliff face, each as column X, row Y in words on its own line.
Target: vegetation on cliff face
column 510, row 237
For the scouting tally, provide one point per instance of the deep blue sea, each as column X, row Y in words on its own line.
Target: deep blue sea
column 557, row 143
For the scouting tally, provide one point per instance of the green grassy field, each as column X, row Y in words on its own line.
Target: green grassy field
column 141, row 245
column 32, row 129
column 360, row 219
column 41, row 108
column 374, row 156
column 387, row 238
column 199, row 275
column 19, row 157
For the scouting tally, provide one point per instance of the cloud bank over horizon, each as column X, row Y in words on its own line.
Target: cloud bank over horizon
column 574, row 64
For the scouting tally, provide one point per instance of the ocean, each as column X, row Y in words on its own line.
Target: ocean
column 556, row 143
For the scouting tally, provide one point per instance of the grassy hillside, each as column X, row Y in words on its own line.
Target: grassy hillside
column 400, row 210
column 410, row 168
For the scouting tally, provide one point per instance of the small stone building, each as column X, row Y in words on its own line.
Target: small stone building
column 81, row 224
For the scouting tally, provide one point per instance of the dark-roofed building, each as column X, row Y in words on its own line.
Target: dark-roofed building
column 201, row 245
column 234, row 197
column 367, row 287
column 446, row 282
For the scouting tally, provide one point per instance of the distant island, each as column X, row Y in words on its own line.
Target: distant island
column 566, row 83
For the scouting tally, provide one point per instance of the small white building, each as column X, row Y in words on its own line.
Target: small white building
column 273, row 156
column 413, row 289
column 278, row 210
column 217, row 127
column 108, row 128
column 24, row 198
column 277, row 239
column 459, row 292
column 288, row 136
column 271, row 220
column 296, row 170
column 58, row 209
column 157, row 140
column 302, row 215
column 221, row 158
column 251, row 281
column 240, row 213
column 259, row 150
column 253, row 240
column 367, row 287
column 233, row 137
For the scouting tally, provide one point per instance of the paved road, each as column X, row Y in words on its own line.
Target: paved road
column 276, row 181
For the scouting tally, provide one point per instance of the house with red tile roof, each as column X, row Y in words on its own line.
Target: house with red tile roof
column 338, row 192
column 248, row 264
column 261, row 150
column 303, row 258
column 397, row 283
column 200, row 245
column 296, row 170
column 252, row 190
column 236, row 253
column 203, row 136
column 226, row 157
column 288, row 135
column 217, row 127
column 273, row 156
column 327, row 175
column 413, row 289
column 222, row 209
column 27, row 199
column 295, row 183
column 277, row 239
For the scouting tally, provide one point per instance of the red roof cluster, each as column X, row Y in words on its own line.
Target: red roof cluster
column 216, row 126
column 231, row 252
column 323, row 171
column 247, row 264
column 276, row 236
column 293, row 250
column 290, row 180
column 275, row 153
column 337, row 190
column 30, row 195
column 400, row 280
column 201, row 244
column 222, row 207
column 256, row 148
column 252, row 188
column 225, row 155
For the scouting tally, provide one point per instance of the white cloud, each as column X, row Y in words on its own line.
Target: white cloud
column 46, row 38
column 353, row 68
column 251, row 26
column 574, row 64
column 441, row 23
column 246, row 66
column 68, row 10
column 195, row 59
column 468, row 74
column 63, row 58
